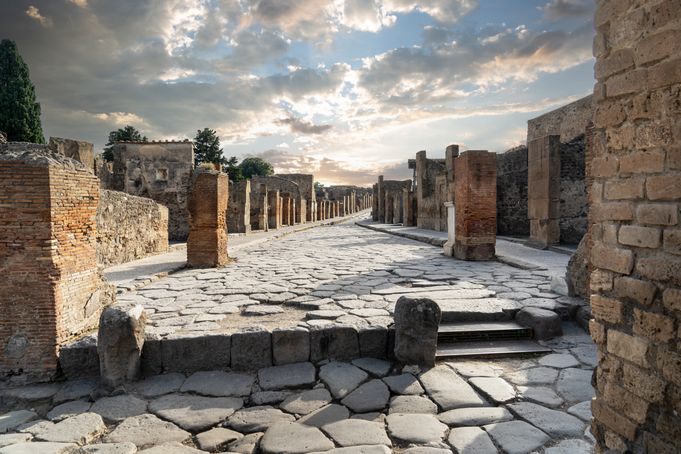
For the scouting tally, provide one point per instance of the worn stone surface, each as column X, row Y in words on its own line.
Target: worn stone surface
column 574, row 385
column 146, row 430
column 495, row 389
column 292, row 438
column 325, row 415
column 119, row 343
column 117, row 408
column 372, row 395
column 13, row 419
column 287, row 376
column 217, row 438
column 516, row 437
column 341, row 378
column 354, row 432
column 475, row 416
column 194, row 413
column 257, row 419
column 544, row 323
column 448, row 390
column 376, row 367
column 306, row 402
column 110, row 448
column 12, row 439
column 159, row 385
column 41, row 447
column 80, row 429
column 412, row 404
column 416, row 428
column 218, row 383
column 471, row 440
column 416, row 325
column 68, row 409
column 404, row 384
column 553, row 422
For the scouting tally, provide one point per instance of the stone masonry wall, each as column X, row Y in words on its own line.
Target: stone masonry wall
column 573, row 203
column 512, row 193
column 129, row 227
column 239, row 207
column 428, row 194
column 568, row 121
column 636, row 235
column 50, row 286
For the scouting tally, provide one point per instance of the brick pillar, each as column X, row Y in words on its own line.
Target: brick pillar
column 374, row 203
column 381, row 200
column 407, row 208
column 636, row 234
column 207, row 242
column 50, row 287
column 543, row 190
column 475, row 174
column 273, row 210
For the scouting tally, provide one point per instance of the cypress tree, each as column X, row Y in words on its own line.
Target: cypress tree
column 19, row 111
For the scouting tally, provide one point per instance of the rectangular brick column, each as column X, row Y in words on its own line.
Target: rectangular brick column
column 207, row 242
column 374, row 203
column 50, row 287
column 273, row 210
column 381, row 200
column 475, row 174
column 543, row 190
column 635, row 202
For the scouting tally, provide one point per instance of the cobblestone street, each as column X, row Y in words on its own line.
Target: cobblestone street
column 346, row 275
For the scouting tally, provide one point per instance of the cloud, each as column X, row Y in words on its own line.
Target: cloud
column 304, row 127
column 556, row 10
column 366, row 15
column 79, row 3
column 447, row 11
column 122, row 118
column 34, row 13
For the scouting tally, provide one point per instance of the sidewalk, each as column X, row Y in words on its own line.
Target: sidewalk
column 512, row 252
column 137, row 273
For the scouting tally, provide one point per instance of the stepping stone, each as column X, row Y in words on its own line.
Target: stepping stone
column 287, row 376
column 269, row 397
column 248, row 444
column 217, row 439
column 494, row 388
column 258, row 419
column 376, row 367
column 171, row 448
column 324, row 314
column 545, row 324
column 76, row 389
column 117, row 408
column 581, row 410
column 219, row 384
column 354, row 432
column 574, row 385
column 404, row 384
column 31, row 393
column 471, row 440
column 68, row 409
column 341, row 378
column 110, row 448
column 195, row 413
column 146, row 430
column 426, row 450
column 9, row 421
column 475, row 416
column 412, row 404
column 570, row 447
column 364, row 449
column 373, row 416
column 553, row 422
column 475, row 369
column 12, row 439
column 80, row 429
column 259, row 310
column 559, row 360
column 35, row 427
column 416, row 428
column 533, row 376
column 449, row 390
column 540, row 395
column 372, row 395
column 306, row 402
column 516, row 437
column 42, row 448
column 325, row 415
column 158, row 385
column 293, row 438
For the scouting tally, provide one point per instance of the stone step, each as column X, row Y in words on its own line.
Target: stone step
column 477, row 310
column 487, row 349
column 478, row 332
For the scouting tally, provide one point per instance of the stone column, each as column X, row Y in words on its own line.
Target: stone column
column 273, row 210
column 451, row 229
column 50, row 286
column 374, row 203
column 239, row 207
column 259, row 207
column 635, row 203
column 207, row 242
column 285, row 209
column 475, row 173
column 543, row 190
column 381, row 200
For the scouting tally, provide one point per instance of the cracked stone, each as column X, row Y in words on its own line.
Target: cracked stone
column 219, row 384
column 258, row 419
column 372, row 395
column 341, row 378
column 195, row 413
column 306, row 402
column 353, row 432
column 416, row 428
column 293, row 438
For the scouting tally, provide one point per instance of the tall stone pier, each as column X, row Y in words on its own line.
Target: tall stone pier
column 543, row 190
column 475, row 176
column 239, row 207
column 207, row 242
column 258, row 207
column 50, row 287
column 273, row 210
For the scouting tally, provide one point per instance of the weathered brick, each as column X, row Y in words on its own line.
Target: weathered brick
column 642, row 162
column 604, row 166
column 643, row 383
column 621, row 138
column 669, row 362
column 614, row 441
column 628, row 288
column 664, row 74
column 617, row 61
column 660, row 268
column 612, row 211
column 612, row 258
column 601, row 280
column 656, row 327
column 674, row 158
column 610, row 233
column 672, row 299
column 657, row 46
column 632, row 235
column 628, row 347
column 607, row 309
column 597, row 331
column 629, row 188
column 612, row 419
column 672, row 241
column 628, row 82
column 651, row 134
column 657, row 214
column 661, row 13
column 629, row 404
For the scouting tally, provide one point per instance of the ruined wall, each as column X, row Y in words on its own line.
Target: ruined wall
column 50, row 286
column 259, row 208
column 568, row 121
column 635, row 202
column 79, row 150
column 573, row 204
column 159, row 171
column 306, row 184
column 512, row 193
column 129, row 227
column 239, row 207
column 428, row 195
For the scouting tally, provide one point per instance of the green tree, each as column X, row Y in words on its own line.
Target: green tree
column 207, row 147
column 255, row 166
column 231, row 166
column 19, row 111
column 129, row 133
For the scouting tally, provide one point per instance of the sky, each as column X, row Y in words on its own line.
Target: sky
column 345, row 89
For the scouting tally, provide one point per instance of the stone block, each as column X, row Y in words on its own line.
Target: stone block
column 545, row 324
column 290, row 345
column 672, row 241
column 119, row 344
column 612, row 258
column 196, row 352
column 640, row 291
column 251, row 349
column 339, row 343
column 373, row 342
column 607, row 309
column 656, row 327
column 416, row 325
column 631, row 348
column 630, row 188
column 80, row 359
column 207, row 242
column 664, row 187
column 152, row 357
column 657, row 214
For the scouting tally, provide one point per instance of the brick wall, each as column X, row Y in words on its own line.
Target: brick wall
column 50, row 287
column 512, row 193
column 207, row 241
column 636, row 235
column 129, row 227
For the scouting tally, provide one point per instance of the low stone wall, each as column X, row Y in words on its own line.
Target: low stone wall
column 512, row 193
column 129, row 227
